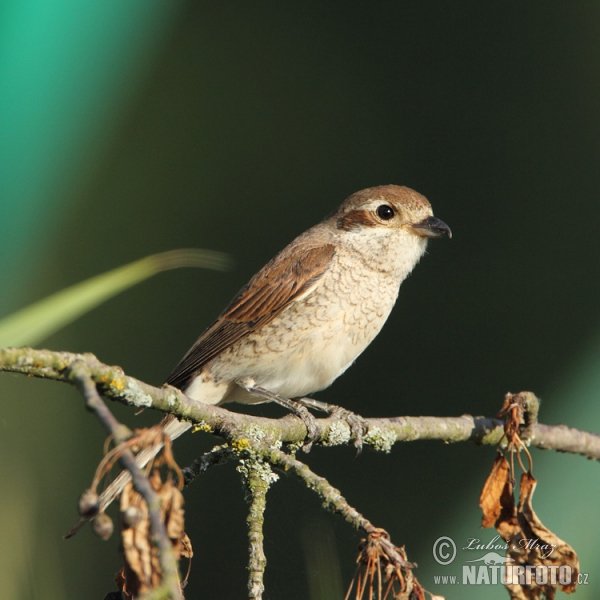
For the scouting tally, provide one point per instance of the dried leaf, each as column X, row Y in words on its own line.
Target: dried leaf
column 186, row 546
column 540, row 562
column 496, row 489
column 139, row 574
column 142, row 570
column 530, row 543
column 542, row 547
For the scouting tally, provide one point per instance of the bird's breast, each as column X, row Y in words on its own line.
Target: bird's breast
column 313, row 341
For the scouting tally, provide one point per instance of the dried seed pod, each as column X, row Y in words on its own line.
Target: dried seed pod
column 131, row 516
column 103, row 526
column 88, row 504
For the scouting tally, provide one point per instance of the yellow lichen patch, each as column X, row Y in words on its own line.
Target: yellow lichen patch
column 240, row 444
column 117, row 384
column 202, row 426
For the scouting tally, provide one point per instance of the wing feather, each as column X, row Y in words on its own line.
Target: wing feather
column 289, row 275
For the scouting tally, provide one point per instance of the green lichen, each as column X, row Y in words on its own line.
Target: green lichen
column 251, row 468
column 255, row 432
column 293, row 447
column 258, row 438
column 339, row 433
column 172, row 400
column 135, row 395
column 380, row 440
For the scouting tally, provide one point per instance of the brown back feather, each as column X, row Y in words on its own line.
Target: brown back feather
column 290, row 274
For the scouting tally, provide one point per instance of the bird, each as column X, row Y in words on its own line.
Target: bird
column 306, row 316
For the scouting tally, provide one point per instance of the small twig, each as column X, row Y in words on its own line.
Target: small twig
column 80, row 375
column 219, row 455
column 336, row 503
column 332, row 497
column 85, row 384
column 566, row 439
column 257, row 486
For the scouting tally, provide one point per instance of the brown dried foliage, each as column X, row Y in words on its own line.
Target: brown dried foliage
column 530, row 543
column 140, row 440
column 142, row 571
column 384, row 570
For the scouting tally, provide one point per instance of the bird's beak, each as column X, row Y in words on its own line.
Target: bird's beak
column 431, row 227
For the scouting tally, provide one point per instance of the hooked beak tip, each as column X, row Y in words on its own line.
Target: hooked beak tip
column 431, row 227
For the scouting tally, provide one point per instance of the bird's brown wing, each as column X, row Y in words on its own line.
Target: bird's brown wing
column 291, row 274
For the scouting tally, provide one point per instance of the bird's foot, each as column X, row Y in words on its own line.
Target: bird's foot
column 296, row 407
column 358, row 425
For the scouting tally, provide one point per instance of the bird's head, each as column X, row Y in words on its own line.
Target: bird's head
column 388, row 223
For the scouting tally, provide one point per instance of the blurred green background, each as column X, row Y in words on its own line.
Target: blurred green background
column 132, row 127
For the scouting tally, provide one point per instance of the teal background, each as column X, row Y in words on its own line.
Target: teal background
column 131, row 127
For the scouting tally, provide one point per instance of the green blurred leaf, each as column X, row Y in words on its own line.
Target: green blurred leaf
column 31, row 325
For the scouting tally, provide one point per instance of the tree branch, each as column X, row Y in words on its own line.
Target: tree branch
column 383, row 433
column 337, row 504
column 256, row 444
column 332, row 497
column 219, row 455
column 257, row 485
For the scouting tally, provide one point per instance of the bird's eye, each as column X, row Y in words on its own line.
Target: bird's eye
column 385, row 212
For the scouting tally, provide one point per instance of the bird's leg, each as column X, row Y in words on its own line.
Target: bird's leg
column 358, row 425
column 298, row 408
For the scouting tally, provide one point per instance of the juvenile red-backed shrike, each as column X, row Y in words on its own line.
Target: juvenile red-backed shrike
column 304, row 318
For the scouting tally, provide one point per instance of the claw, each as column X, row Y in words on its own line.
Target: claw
column 294, row 406
column 311, row 427
column 358, row 426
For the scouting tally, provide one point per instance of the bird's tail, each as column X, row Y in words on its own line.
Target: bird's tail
column 172, row 427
